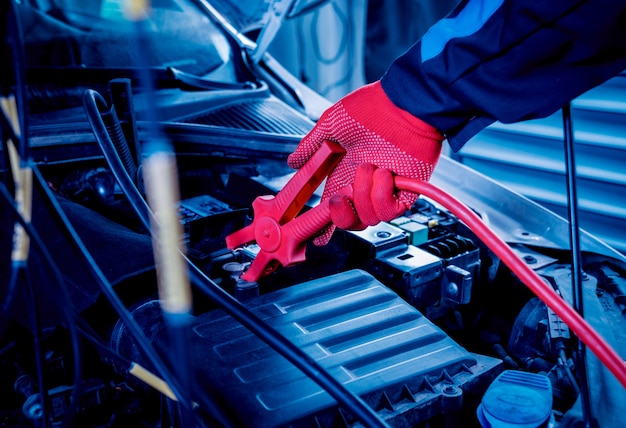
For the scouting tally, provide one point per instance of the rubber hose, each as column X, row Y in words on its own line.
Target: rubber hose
column 114, row 129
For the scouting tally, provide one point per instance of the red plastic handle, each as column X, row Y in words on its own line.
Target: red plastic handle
column 281, row 241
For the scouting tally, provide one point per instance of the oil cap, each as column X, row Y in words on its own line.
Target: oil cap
column 516, row 400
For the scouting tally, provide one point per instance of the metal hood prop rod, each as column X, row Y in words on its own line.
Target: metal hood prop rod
column 574, row 233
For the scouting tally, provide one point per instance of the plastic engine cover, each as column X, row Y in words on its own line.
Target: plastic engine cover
column 366, row 336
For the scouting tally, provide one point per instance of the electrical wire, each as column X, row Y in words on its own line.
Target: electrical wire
column 76, row 323
column 17, row 127
column 533, row 281
column 64, row 306
column 6, row 311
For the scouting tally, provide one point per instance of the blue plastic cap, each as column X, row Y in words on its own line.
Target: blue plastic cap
column 516, row 400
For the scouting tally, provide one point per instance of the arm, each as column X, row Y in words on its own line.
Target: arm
column 507, row 60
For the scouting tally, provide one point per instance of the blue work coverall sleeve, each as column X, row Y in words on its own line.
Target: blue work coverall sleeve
column 507, row 60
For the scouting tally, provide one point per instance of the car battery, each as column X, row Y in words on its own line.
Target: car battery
column 461, row 259
column 383, row 251
column 413, row 273
column 373, row 240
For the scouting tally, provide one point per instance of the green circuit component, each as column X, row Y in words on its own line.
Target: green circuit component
column 418, row 233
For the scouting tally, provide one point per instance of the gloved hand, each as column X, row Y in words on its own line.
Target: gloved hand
column 375, row 132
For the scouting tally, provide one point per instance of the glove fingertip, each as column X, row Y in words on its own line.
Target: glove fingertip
column 295, row 161
column 308, row 145
column 343, row 214
column 300, row 156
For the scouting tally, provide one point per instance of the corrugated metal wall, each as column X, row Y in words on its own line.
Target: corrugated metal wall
column 528, row 157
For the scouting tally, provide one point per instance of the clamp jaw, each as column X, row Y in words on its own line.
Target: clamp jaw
column 281, row 235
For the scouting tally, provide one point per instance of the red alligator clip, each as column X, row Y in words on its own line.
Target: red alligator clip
column 281, row 236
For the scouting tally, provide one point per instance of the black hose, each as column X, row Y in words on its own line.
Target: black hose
column 65, row 305
column 7, row 308
column 35, row 326
column 91, row 99
column 114, row 131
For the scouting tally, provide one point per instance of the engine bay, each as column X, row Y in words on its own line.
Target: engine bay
column 418, row 320
column 417, row 316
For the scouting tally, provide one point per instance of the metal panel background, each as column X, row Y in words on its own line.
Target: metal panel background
column 528, row 157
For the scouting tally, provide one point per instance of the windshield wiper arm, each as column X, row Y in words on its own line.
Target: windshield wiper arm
column 197, row 82
column 164, row 77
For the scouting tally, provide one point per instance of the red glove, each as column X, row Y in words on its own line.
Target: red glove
column 373, row 131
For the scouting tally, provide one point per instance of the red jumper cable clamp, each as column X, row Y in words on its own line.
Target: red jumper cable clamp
column 282, row 236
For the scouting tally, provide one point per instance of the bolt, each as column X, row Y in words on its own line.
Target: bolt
column 453, row 289
column 382, row 234
column 450, row 390
column 531, row 260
